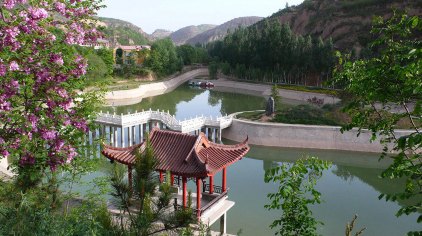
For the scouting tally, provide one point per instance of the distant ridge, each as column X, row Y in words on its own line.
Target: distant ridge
column 180, row 36
column 219, row 32
column 161, row 33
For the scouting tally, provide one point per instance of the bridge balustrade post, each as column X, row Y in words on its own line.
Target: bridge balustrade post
column 110, row 134
column 115, row 137
column 133, row 136
column 130, row 141
column 100, row 130
column 122, row 136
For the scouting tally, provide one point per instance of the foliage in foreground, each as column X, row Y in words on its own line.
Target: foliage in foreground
column 296, row 191
column 31, row 213
column 386, row 89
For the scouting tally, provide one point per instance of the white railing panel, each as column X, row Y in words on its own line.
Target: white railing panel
column 166, row 118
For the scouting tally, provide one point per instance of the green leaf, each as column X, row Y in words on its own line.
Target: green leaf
column 415, row 21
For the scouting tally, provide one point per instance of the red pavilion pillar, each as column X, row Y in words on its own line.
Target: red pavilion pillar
column 161, row 177
column 211, row 184
column 198, row 197
column 184, row 180
column 224, row 180
column 171, row 179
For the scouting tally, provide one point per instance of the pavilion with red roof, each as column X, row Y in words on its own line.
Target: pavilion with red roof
column 185, row 156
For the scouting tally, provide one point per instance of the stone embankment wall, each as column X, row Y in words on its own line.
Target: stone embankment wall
column 265, row 90
column 133, row 96
column 303, row 136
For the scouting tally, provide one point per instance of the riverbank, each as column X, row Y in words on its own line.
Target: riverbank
column 133, row 96
column 304, row 136
column 264, row 90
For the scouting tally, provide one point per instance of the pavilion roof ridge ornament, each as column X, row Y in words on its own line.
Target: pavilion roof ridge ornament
column 193, row 150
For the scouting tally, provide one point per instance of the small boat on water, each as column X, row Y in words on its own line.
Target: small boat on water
column 202, row 84
column 206, row 84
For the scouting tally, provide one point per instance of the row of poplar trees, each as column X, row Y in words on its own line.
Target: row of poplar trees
column 270, row 52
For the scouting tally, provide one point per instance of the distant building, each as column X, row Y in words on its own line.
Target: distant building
column 130, row 54
column 100, row 43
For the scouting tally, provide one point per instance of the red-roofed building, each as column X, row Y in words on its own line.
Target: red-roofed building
column 186, row 156
column 129, row 54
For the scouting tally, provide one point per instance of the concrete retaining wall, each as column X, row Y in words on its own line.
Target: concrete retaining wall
column 133, row 96
column 302, row 136
column 265, row 90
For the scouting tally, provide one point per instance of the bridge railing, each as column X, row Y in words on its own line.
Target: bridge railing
column 164, row 117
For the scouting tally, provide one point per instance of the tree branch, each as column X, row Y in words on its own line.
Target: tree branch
column 410, row 117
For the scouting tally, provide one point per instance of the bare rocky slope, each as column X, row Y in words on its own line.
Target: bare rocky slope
column 180, row 36
column 220, row 31
column 347, row 22
column 161, row 33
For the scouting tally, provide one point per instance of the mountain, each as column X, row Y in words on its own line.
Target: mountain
column 219, row 32
column 123, row 32
column 347, row 22
column 161, row 33
column 182, row 35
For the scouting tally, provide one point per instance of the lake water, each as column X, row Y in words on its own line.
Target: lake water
column 351, row 186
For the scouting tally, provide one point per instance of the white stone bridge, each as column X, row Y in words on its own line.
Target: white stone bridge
column 138, row 123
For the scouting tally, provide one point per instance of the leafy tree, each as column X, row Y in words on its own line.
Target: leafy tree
column 43, row 118
column 107, row 56
column 295, row 193
column 187, row 53
column 213, row 70
column 163, row 58
column 97, row 69
column 387, row 89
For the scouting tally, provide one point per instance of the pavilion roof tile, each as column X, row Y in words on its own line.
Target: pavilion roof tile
column 182, row 154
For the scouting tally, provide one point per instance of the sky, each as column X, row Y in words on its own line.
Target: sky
column 175, row 14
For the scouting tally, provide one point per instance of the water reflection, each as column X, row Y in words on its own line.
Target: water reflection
column 186, row 102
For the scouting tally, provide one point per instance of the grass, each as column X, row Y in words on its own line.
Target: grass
column 251, row 115
column 329, row 114
column 309, row 115
column 309, row 89
column 303, row 114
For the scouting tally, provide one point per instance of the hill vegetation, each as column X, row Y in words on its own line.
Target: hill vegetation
column 123, row 32
column 346, row 22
